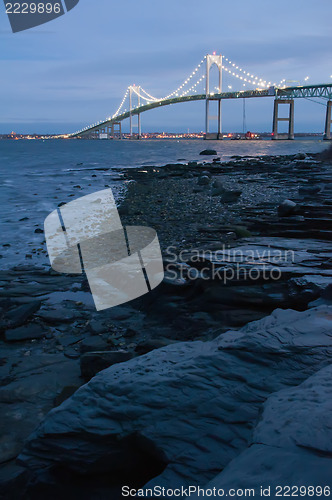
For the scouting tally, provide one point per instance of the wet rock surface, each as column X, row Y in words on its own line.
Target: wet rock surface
column 281, row 451
column 193, row 406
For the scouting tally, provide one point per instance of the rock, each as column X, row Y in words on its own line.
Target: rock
column 27, row 332
column 120, row 313
column 18, row 316
column 96, row 326
column 230, row 196
column 314, row 285
column 71, row 352
column 203, row 181
column 29, row 386
column 306, row 403
column 208, row 152
column 94, row 362
column 227, row 195
column 218, row 187
column 58, row 315
column 130, row 333
column 93, row 344
column 326, row 155
column 13, row 481
column 192, row 405
column 292, row 443
column 68, row 340
column 300, row 156
column 39, row 231
column 287, row 208
column 327, row 293
column 309, row 190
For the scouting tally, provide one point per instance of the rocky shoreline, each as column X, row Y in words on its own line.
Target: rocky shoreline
column 217, row 223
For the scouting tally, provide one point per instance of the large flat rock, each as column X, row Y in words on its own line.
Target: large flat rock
column 292, row 443
column 191, row 406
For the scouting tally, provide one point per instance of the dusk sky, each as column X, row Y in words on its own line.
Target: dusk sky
column 74, row 70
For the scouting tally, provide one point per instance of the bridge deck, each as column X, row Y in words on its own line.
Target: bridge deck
column 305, row 91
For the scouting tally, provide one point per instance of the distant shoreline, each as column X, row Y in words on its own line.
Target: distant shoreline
column 160, row 136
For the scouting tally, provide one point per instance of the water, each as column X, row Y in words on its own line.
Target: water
column 35, row 176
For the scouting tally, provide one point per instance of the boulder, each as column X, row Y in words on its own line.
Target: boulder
column 300, row 156
column 227, row 195
column 218, row 187
column 203, row 180
column 208, row 152
column 292, row 443
column 192, row 406
column 230, row 196
column 287, row 208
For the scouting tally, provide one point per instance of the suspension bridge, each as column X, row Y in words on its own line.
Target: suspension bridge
column 197, row 87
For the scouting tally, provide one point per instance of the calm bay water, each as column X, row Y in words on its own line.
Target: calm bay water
column 35, row 176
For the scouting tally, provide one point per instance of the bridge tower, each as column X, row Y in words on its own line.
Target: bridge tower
column 289, row 119
column 212, row 59
column 137, row 93
column 328, row 122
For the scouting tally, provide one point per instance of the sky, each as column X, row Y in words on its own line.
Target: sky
column 73, row 71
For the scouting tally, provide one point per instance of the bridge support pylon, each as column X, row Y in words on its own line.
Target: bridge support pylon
column 117, row 132
column 276, row 119
column 328, row 121
column 136, row 90
column 210, row 61
column 139, row 126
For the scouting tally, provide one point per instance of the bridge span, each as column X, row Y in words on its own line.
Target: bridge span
column 283, row 95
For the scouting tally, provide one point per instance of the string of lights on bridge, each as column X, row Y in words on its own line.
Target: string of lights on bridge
column 183, row 90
